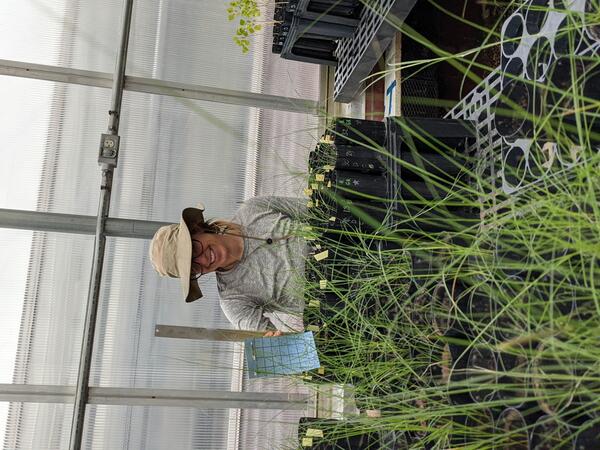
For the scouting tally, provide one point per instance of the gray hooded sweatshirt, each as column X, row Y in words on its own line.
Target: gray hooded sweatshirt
column 267, row 280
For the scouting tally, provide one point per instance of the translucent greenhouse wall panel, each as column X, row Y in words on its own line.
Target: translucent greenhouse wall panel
column 52, row 135
column 53, row 300
column 272, row 429
column 178, row 152
column 44, row 426
column 285, row 140
column 134, row 299
column 153, row 428
column 14, row 260
column 192, row 42
column 48, row 332
column 79, row 34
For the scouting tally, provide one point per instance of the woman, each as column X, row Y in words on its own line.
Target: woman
column 257, row 258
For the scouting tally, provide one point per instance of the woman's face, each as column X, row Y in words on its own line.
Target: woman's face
column 211, row 252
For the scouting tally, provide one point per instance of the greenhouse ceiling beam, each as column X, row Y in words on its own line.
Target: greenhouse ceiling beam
column 158, row 87
column 156, row 397
column 77, row 224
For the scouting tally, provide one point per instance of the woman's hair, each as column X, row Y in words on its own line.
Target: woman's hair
column 216, row 226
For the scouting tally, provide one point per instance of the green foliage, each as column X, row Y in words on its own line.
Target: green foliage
column 534, row 253
column 248, row 12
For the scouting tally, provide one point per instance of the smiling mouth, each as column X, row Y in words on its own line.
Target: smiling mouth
column 212, row 257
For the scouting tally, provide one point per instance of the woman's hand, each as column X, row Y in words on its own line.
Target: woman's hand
column 273, row 333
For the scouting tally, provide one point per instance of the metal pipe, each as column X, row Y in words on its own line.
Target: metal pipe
column 159, row 87
column 77, row 224
column 85, row 361
column 156, row 397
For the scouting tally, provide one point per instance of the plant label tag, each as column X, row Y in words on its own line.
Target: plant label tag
column 314, row 432
column 307, row 442
column 322, row 255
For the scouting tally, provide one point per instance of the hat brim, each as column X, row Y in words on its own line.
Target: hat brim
column 190, row 287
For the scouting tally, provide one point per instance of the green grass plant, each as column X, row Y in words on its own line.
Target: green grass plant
column 400, row 336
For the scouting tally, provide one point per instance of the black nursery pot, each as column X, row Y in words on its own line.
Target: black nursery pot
column 347, row 131
column 593, row 29
column 421, row 191
column 477, row 427
column 513, row 31
column 511, row 109
column 348, row 217
column 481, row 369
column 586, row 79
column 481, row 309
column 515, row 377
column 547, row 434
column 569, row 36
column 359, row 159
column 355, row 185
column 512, row 427
column 514, row 165
column 553, row 382
column 589, row 438
column 448, row 367
column 353, row 442
column 433, row 220
column 536, row 15
column 539, row 57
column 444, row 165
column 325, row 153
column 559, row 291
column 354, row 158
column 442, row 309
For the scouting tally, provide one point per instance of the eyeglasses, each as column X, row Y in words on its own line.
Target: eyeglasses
column 194, row 256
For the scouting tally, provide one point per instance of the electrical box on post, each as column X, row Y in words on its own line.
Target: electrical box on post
column 109, row 149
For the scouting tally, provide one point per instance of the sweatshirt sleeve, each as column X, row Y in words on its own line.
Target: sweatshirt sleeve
column 245, row 315
column 293, row 207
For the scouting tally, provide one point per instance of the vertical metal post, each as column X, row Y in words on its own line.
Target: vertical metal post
column 107, row 159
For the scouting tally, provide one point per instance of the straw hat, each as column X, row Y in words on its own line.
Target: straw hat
column 171, row 252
